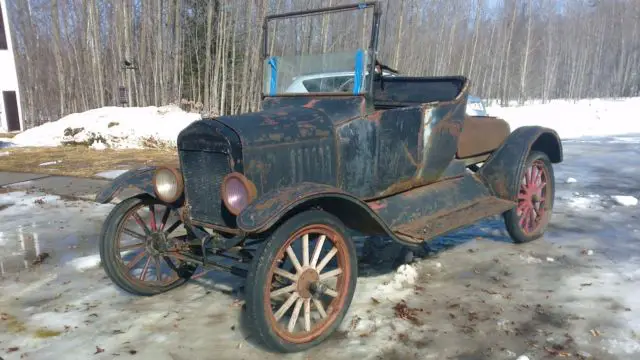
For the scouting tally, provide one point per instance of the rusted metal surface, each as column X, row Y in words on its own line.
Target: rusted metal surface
column 446, row 220
column 335, row 108
column 439, row 202
column 400, row 148
column 481, row 135
column 342, row 141
column 429, row 200
column 503, row 170
column 208, row 135
column 140, row 179
column 269, row 207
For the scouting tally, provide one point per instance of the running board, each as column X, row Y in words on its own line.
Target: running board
column 430, row 226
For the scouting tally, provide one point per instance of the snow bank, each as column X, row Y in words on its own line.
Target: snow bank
column 139, row 127
column 575, row 119
column 115, row 127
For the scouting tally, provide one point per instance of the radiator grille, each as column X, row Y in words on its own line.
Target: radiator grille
column 203, row 174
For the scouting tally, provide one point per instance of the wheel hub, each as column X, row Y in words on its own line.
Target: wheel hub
column 308, row 278
column 157, row 243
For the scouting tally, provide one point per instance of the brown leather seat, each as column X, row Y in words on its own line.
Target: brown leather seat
column 481, row 135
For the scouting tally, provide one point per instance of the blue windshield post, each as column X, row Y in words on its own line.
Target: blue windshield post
column 359, row 68
column 273, row 83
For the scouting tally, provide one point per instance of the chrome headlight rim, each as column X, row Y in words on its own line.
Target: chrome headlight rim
column 249, row 188
column 179, row 184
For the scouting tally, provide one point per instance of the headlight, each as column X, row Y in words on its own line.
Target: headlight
column 168, row 184
column 237, row 192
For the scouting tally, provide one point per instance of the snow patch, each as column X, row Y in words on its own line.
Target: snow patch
column 4, row 153
column 530, row 259
column 625, row 200
column 112, row 127
column 111, row 174
column 86, row 262
column 571, row 180
column 405, row 276
column 98, row 146
column 597, row 117
column 50, row 163
column 591, row 201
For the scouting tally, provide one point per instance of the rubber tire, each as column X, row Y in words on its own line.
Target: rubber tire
column 511, row 219
column 257, row 278
column 109, row 256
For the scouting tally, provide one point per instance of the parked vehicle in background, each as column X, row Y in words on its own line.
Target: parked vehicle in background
column 343, row 81
column 475, row 106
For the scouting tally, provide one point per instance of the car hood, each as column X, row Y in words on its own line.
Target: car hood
column 278, row 126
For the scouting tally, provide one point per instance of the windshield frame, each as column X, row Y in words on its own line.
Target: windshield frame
column 373, row 42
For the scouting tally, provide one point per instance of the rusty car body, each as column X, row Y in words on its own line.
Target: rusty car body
column 278, row 191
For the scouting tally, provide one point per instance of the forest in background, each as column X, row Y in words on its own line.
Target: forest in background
column 205, row 54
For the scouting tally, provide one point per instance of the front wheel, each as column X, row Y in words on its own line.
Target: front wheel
column 139, row 247
column 302, row 282
column 529, row 220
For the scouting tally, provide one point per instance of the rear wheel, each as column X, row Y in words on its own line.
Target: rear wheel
column 529, row 220
column 302, row 282
column 139, row 247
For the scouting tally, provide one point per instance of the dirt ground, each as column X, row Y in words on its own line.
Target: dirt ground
column 79, row 160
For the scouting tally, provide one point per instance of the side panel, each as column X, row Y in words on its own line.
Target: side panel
column 445, row 196
column 272, row 167
column 394, row 150
column 140, row 179
column 283, row 146
column 503, row 170
column 409, row 218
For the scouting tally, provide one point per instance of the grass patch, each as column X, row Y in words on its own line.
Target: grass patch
column 44, row 333
column 7, row 135
column 12, row 324
column 82, row 161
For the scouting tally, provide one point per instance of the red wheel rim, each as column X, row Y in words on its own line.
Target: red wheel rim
column 533, row 198
column 139, row 259
column 309, row 267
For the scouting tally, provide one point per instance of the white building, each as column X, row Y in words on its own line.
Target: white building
column 10, row 111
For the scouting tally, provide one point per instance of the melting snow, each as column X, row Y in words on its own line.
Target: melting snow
column 114, row 127
column 596, row 117
column 138, row 127
column 625, row 200
column 111, row 174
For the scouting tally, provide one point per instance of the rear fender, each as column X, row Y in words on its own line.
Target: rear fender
column 278, row 205
column 140, row 181
column 503, row 170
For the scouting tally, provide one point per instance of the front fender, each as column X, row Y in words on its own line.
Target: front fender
column 140, row 180
column 275, row 205
column 503, row 170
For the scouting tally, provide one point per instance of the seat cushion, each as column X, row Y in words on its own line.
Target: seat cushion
column 481, row 135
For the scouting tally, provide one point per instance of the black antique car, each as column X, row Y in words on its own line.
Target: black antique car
column 275, row 195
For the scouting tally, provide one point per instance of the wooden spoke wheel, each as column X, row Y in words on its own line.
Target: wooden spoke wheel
column 302, row 282
column 140, row 244
column 529, row 220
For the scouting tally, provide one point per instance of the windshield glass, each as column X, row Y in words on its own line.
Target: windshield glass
column 343, row 72
column 318, row 53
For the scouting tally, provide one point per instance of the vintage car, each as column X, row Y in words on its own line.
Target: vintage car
column 275, row 195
